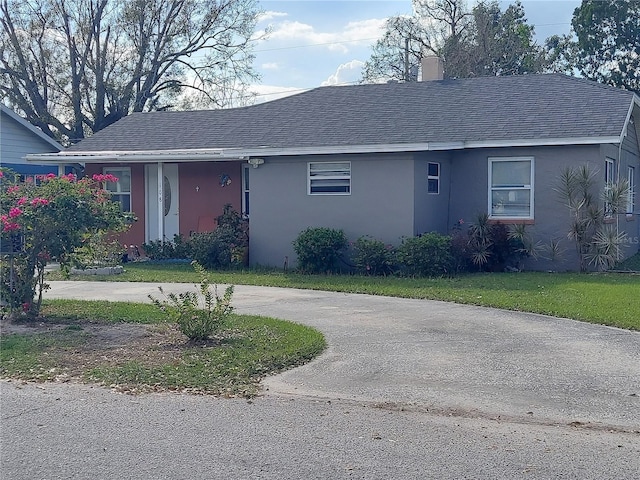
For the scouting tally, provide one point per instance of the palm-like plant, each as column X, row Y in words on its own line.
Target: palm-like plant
column 596, row 242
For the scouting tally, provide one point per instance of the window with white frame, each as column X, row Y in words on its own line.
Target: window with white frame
column 609, row 178
column 609, row 167
column 245, row 190
column 631, row 194
column 120, row 190
column 433, row 178
column 329, row 178
column 511, row 187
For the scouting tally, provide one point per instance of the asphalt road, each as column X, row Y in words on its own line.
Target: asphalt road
column 407, row 389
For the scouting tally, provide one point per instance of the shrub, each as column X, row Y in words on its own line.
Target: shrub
column 213, row 250
column 223, row 248
column 48, row 220
column 319, row 249
column 373, row 257
column 98, row 251
column 426, row 255
column 199, row 315
column 165, row 250
column 496, row 247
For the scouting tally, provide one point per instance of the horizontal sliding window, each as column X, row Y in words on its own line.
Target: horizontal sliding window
column 329, row 178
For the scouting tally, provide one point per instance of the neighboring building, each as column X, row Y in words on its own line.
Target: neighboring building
column 18, row 138
column 386, row 160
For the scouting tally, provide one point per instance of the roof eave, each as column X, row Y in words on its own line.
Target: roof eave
column 635, row 102
column 234, row 154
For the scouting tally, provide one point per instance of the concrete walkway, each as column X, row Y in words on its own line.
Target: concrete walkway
column 459, row 360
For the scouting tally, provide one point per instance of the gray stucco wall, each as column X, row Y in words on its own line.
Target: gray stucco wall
column 389, row 198
column 630, row 157
column 431, row 210
column 381, row 203
column 469, row 195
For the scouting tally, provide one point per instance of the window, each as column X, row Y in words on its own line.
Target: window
column 329, row 178
column 120, row 190
column 245, row 190
column 511, row 188
column 631, row 195
column 433, row 178
column 609, row 167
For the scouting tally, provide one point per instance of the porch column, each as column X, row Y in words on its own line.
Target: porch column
column 160, row 201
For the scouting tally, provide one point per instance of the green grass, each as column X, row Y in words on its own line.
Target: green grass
column 260, row 346
column 247, row 349
column 610, row 299
column 35, row 357
column 100, row 311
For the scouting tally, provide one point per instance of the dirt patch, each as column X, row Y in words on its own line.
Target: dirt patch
column 95, row 344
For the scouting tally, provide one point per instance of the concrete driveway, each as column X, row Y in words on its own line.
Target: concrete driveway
column 440, row 357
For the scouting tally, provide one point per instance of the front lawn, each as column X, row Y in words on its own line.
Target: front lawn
column 131, row 348
column 610, row 299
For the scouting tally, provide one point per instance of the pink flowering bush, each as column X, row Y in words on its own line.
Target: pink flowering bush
column 44, row 221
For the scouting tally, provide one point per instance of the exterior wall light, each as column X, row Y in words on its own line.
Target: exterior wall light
column 254, row 162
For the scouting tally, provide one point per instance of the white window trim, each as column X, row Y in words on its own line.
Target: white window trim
column 113, row 171
column 609, row 178
column 610, row 166
column 631, row 195
column 329, row 177
column 530, row 187
column 433, row 177
column 245, row 190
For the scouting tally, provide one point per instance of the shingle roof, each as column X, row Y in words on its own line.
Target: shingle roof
column 528, row 107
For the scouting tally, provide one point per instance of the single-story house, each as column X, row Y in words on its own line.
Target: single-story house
column 19, row 138
column 384, row 160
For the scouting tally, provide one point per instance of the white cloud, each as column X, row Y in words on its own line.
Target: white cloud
column 270, row 15
column 363, row 32
column 349, row 72
column 270, row 66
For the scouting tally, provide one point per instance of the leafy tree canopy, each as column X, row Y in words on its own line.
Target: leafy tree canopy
column 74, row 67
column 477, row 42
column 606, row 44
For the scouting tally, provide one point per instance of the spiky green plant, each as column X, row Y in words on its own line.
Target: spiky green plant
column 596, row 243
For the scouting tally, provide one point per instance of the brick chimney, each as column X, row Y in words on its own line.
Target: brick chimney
column 432, row 68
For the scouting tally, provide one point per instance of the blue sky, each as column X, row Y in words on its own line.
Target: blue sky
column 325, row 42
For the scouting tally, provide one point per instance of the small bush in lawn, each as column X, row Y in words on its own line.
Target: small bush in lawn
column 319, row 249
column 373, row 257
column 426, row 255
column 201, row 314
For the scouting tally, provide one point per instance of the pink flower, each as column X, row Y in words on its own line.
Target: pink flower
column 39, row 201
column 15, row 212
column 22, row 201
column 10, row 226
column 13, row 189
column 104, row 178
column 1, row 174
